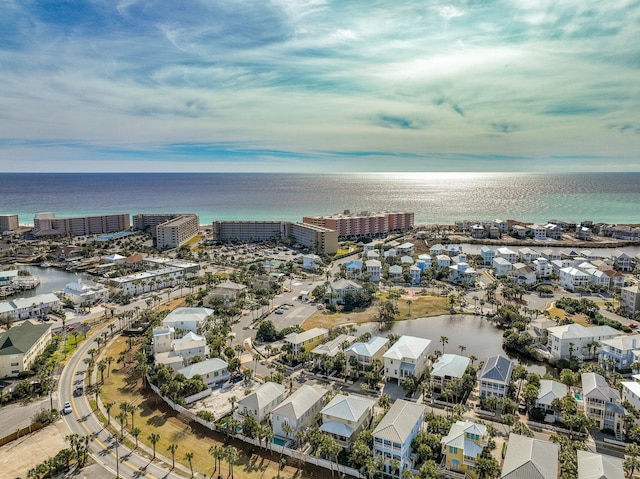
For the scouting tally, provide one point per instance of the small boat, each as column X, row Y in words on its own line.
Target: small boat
column 44, row 264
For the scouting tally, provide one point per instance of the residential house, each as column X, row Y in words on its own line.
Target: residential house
column 187, row 319
column 495, row 376
column 622, row 261
column 331, row 348
column 584, row 233
column 502, row 225
column 618, row 351
column 163, row 336
column 346, row 416
column 575, row 340
column 487, row 255
column 310, row 262
column 547, row 392
column 631, row 392
column 395, row 272
column 415, row 273
column 341, row 287
column 365, row 354
column 448, row 367
column 426, row 259
column 443, row 261
column 407, row 357
column 406, row 260
column 390, row 256
column 462, row 273
column 228, row 291
column 630, row 299
column 538, row 232
column 261, row 402
column 180, row 350
column 543, row 268
column 33, row 307
column 463, row 446
column 354, row 269
column 374, row 269
column 212, row 371
column 530, row 458
column 522, row 274
column 553, row 231
column 297, row 411
column 508, row 254
column 477, row 231
column 406, row 249
column 306, row 340
column 436, row 249
column 550, row 254
column 599, row 278
column 518, row 231
column 573, row 279
column 82, row 292
column 21, row 345
column 372, row 254
column 602, row 403
column 394, row 434
column 528, row 255
column 599, row 466
column 538, row 329
column 502, row 266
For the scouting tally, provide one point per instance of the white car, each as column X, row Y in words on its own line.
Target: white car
column 67, row 409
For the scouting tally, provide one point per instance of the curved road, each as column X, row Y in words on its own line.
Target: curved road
column 82, row 421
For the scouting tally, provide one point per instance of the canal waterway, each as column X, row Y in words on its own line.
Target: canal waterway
column 479, row 336
column 51, row 279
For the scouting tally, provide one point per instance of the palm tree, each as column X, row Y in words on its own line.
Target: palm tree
column 217, row 452
column 232, row 455
column 444, row 340
column 102, row 365
column 172, row 448
column 122, row 417
column 189, row 457
column 154, row 438
column 462, row 349
column 135, row 432
column 107, row 406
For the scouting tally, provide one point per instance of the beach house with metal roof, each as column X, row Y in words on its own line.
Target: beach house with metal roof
column 548, row 391
column 297, row 411
column 305, row 340
column 620, row 350
column 345, row 416
column 495, row 376
column 33, row 307
column 448, row 367
column 366, row 353
column 602, row 403
column 463, row 446
column 212, row 371
column 577, row 340
column 342, row 287
column 529, row 458
column 331, row 348
column 395, row 432
column 20, row 345
column 187, row 319
column 599, row 466
column 261, row 402
column 407, row 357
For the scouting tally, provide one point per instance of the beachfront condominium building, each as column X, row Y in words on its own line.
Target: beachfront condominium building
column 176, row 232
column 46, row 224
column 8, row 223
column 319, row 239
column 249, row 230
column 363, row 224
column 168, row 230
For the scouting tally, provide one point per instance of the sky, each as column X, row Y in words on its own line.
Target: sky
column 319, row 86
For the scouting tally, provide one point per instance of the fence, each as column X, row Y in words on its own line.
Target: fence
column 21, row 432
column 296, row 455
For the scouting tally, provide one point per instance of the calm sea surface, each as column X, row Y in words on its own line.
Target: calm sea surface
column 433, row 197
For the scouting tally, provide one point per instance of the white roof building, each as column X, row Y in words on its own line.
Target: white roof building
column 407, row 357
column 261, row 402
column 187, row 319
column 599, row 466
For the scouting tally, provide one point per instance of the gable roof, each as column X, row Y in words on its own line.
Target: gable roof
column 300, row 401
column 349, row 408
column 397, row 424
column 262, row 396
column 20, row 339
column 599, row 466
column 408, row 347
column 187, row 314
column 457, row 436
column 451, row 365
column 369, row 348
column 549, row 390
column 497, row 368
column 530, row 458
column 203, row 367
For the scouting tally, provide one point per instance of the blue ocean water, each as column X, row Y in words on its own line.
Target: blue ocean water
column 433, row 197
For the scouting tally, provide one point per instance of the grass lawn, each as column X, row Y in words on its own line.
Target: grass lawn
column 420, row 307
column 154, row 416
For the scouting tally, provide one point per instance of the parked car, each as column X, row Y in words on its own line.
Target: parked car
column 632, row 325
column 67, row 409
column 279, row 311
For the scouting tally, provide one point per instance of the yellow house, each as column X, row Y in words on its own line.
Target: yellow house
column 307, row 340
column 463, row 445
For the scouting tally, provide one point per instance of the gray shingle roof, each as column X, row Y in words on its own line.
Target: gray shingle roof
column 528, row 458
column 300, row 401
column 20, row 339
column 599, row 466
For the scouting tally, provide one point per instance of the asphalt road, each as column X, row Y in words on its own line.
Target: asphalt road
column 82, row 421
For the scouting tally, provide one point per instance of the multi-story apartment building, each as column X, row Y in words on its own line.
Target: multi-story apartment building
column 176, row 232
column 46, row 224
column 317, row 238
column 8, row 223
column 630, row 299
column 249, row 230
column 363, row 224
column 20, row 345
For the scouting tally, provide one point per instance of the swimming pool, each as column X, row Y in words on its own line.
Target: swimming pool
column 278, row 441
column 119, row 234
column 578, row 397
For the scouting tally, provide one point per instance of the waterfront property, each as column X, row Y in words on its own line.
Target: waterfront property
column 394, row 434
column 34, row 307
column 20, row 345
column 365, row 354
column 305, row 340
column 82, row 292
column 495, row 376
column 602, row 403
column 407, row 357
column 297, row 411
column 527, row 457
column 547, row 392
column 448, row 367
column 46, row 224
column 363, row 224
column 575, row 340
column 463, row 445
column 619, row 351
